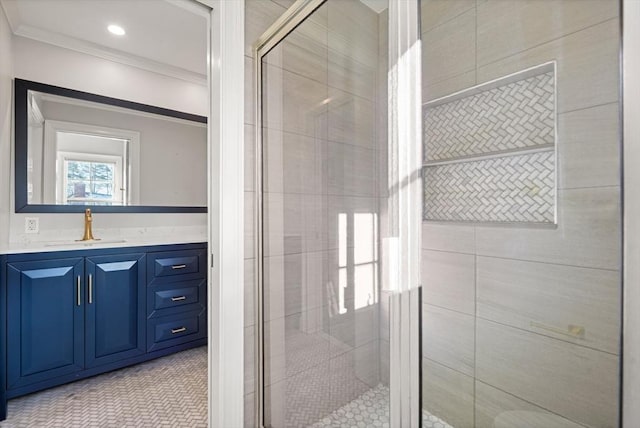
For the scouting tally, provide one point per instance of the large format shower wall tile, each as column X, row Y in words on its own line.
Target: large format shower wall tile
column 448, row 280
column 588, row 233
column 587, row 65
column 431, row 91
column 294, row 103
column 353, row 373
column 494, row 406
column 249, row 225
column 249, row 292
column 449, row 49
column 447, row 394
column 302, row 164
column 351, row 76
column 513, row 116
column 351, row 119
column 578, row 383
column 437, row 12
column 510, row 189
column 449, row 237
column 353, row 31
column 249, row 158
column 589, row 152
column 303, row 51
column 350, row 170
column 508, row 27
column 249, row 359
column 448, row 338
column 249, row 92
column 549, row 299
column 249, row 410
column 258, row 17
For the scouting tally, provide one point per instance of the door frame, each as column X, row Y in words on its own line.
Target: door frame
column 225, row 214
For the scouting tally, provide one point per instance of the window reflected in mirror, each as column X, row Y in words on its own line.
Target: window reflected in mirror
column 81, row 152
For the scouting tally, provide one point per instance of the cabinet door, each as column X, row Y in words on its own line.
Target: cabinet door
column 115, row 308
column 45, row 322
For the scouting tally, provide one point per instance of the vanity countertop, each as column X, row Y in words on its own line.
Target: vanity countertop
column 116, row 242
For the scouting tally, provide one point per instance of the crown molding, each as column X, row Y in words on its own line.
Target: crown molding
column 11, row 12
column 93, row 49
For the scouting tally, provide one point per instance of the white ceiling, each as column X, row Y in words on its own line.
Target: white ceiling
column 162, row 35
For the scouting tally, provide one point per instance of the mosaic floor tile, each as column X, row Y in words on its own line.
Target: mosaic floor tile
column 371, row 409
column 167, row 392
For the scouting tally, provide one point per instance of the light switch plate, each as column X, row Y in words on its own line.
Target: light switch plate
column 31, row 225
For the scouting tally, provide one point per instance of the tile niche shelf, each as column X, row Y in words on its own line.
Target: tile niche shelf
column 490, row 151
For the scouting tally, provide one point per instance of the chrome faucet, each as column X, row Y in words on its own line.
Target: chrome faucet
column 88, row 233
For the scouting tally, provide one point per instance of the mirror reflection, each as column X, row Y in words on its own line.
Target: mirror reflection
column 110, row 105
column 86, row 153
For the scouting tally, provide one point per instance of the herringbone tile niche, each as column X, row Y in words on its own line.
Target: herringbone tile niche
column 490, row 151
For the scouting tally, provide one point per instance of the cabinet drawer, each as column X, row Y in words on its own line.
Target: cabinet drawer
column 176, row 265
column 174, row 330
column 176, row 297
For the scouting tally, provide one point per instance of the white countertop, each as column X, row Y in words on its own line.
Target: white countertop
column 119, row 242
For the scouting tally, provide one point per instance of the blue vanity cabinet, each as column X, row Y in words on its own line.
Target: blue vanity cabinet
column 69, row 315
column 45, row 320
column 176, row 298
column 115, row 308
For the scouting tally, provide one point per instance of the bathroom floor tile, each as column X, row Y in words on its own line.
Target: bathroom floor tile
column 167, row 392
column 371, row 409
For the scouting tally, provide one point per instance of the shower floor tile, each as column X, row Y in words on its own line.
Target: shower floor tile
column 166, row 392
column 371, row 409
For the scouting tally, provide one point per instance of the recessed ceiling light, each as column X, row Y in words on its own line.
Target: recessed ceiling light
column 116, row 29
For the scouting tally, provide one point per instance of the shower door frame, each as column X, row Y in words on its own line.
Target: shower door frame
column 405, row 131
column 293, row 17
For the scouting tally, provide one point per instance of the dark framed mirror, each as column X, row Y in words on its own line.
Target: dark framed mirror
column 76, row 150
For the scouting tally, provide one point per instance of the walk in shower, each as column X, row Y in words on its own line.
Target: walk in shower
column 326, row 298
column 520, row 215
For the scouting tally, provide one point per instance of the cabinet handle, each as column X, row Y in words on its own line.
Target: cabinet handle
column 178, row 330
column 177, row 299
column 78, row 291
column 90, row 289
column 175, row 267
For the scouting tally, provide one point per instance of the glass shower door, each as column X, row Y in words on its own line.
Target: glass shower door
column 324, row 198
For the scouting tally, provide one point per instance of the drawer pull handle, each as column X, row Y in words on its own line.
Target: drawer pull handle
column 78, row 291
column 90, row 289
column 176, row 267
column 177, row 299
column 178, row 330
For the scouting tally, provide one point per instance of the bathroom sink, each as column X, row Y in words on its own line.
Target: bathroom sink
column 85, row 243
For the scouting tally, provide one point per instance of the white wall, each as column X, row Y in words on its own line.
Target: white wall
column 53, row 65
column 6, row 71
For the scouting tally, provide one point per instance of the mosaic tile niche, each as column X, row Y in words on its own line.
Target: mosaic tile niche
column 490, row 151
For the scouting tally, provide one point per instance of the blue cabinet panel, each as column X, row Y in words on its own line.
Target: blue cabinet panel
column 115, row 308
column 172, row 330
column 176, row 297
column 170, row 266
column 45, row 322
